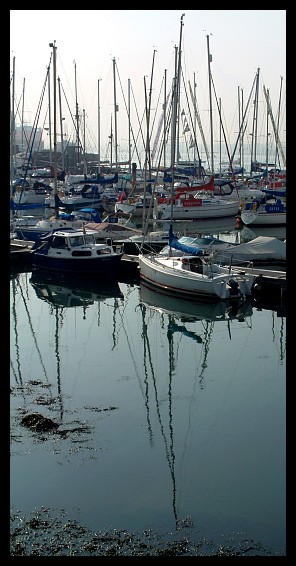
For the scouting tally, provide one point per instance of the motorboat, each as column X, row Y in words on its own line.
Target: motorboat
column 76, row 251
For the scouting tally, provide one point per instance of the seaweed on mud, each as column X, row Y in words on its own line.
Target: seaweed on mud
column 48, row 533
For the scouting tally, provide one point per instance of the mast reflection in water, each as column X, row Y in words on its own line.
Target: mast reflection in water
column 170, row 413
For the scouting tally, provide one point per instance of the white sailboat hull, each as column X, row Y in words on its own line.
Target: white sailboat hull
column 210, row 208
column 263, row 218
column 172, row 275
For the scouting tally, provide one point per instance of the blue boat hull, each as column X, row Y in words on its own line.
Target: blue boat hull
column 107, row 266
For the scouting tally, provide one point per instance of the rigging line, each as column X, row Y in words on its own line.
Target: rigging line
column 33, row 333
column 225, row 140
column 191, row 120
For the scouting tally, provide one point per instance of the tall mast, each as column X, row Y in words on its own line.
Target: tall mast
column 77, row 118
column 129, row 126
column 115, row 116
column 99, row 128
column 49, row 118
column 12, row 130
column 255, row 120
column 175, row 102
column 61, row 125
column 55, row 128
column 276, row 159
column 211, row 110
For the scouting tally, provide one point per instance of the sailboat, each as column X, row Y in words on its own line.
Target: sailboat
column 192, row 274
column 270, row 210
column 28, row 226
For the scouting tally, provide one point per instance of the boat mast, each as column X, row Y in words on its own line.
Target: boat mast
column 175, row 103
column 12, row 130
column 99, row 128
column 77, row 119
column 55, row 129
column 115, row 116
column 267, row 134
column 49, row 117
column 276, row 159
column 211, row 109
column 129, row 126
column 61, row 125
column 278, row 142
column 255, row 122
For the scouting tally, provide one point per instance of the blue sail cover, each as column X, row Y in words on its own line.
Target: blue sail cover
column 274, row 193
column 174, row 243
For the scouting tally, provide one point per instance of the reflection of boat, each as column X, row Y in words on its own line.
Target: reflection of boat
column 187, row 327
column 246, row 233
column 191, row 311
column 68, row 292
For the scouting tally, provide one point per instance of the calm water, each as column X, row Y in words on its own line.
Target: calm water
column 172, row 414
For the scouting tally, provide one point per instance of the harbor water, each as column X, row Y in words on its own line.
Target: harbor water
column 169, row 419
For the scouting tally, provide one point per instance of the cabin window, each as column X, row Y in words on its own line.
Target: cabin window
column 58, row 242
column 89, row 239
column 76, row 241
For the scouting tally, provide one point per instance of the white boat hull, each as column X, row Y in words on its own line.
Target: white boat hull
column 263, row 218
column 130, row 209
column 166, row 274
column 29, row 197
column 211, row 209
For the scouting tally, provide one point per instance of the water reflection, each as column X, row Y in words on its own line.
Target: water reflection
column 69, row 292
column 193, row 310
column 202, row 370
column 174, row 314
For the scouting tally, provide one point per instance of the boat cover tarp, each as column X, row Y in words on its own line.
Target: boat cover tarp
column 174, row 243
column 276, row 193
column 262, row 247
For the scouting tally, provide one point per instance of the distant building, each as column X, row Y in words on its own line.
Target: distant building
column 24, row 139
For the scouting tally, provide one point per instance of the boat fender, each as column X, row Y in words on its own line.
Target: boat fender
column 257, row 284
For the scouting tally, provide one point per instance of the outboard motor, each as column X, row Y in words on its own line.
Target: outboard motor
column 234, row 287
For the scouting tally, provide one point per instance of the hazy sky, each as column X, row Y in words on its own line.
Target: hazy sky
column 87, row 41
